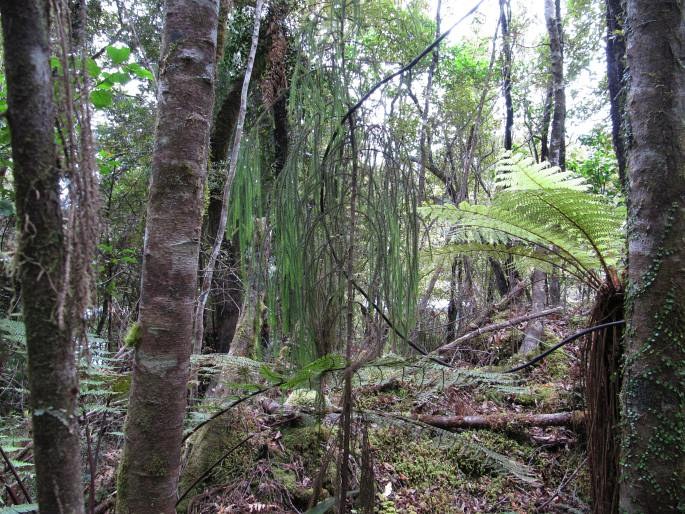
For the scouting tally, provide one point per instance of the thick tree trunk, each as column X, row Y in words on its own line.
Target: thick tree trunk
column 149, row 468
column 653, row 453
column 226, row 295
column 40, row 256
column 616, row 69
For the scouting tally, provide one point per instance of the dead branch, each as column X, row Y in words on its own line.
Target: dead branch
column 505, row 421
column 496, row 326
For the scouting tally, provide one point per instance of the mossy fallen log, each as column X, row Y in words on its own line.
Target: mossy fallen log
column 505, row 421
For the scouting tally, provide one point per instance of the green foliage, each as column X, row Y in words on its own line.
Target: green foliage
column 118, row 55
column 596, row 161
column 541, row 215
column 132, row 338
column 121, row 73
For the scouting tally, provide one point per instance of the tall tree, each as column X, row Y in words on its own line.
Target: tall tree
column 41, row 256
column 557, row 141
column 616, row 69
column 149, row 468
column 653, row 451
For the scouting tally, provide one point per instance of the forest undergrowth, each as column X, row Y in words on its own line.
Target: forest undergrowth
column 260, row 440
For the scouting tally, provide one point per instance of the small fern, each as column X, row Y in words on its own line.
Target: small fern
column 542, row 215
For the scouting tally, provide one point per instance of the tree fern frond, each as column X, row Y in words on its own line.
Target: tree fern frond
column 519, row 172
column 540, row 214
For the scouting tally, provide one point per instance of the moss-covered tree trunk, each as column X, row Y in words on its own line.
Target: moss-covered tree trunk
column 40, row 256
column 149, row 468
column 653, row 450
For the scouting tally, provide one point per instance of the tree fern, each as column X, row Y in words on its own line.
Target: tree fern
column 543, row 215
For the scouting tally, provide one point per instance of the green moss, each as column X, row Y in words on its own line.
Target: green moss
column 209, row 444
column 420, row 461
column 133, row 336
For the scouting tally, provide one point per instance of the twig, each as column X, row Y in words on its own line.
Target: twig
column 16, row 475
column 563, row 342
column 562, row 485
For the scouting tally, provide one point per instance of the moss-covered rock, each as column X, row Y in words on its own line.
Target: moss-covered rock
column 210, row 444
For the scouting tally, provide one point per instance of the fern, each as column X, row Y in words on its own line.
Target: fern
column 543, row 215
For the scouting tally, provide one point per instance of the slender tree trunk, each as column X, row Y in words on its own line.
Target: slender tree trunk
column 653, row 453
column 40, row 256
column 504, row 18
column 535, row 329
column 557, row 144
column 425, row 138
column 546, row 119
column 616, row 69
column 149, row 468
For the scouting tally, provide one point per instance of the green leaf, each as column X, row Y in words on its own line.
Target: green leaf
column 92, row 67
column 101, row 98
column 55, row 64
column 118, row 55
column 140, row 72
column 118, row 77
column 270, row 375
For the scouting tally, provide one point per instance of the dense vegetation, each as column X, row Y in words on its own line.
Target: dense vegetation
column 365, row 256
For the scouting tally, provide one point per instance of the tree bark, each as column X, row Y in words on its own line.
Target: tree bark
column 557, row 143
column 653, row 395
column 149, row 468
column 40, row 256
column 616, row 69
column 504, row 17
column 535, row 329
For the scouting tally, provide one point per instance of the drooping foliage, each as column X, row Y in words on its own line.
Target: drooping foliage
column 540, row 214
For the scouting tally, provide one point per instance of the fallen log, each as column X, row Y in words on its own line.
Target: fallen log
column 508, row 421
column 496, row 326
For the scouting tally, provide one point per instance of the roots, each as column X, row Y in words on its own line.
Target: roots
column 602, row 365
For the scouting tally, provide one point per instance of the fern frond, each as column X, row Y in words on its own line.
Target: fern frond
column 519, row 172
column 541, row 214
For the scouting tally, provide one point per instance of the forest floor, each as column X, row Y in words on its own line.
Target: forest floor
column 273, row 452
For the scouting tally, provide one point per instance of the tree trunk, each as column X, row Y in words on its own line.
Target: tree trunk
column 226, row 295
column 616, row 69
column 40, row 256
column 535, row 329
column 557, row 142
column 150, row 463
column 504, row 17
column 653, row 453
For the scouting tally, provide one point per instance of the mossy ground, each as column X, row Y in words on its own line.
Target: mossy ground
column 416, row 469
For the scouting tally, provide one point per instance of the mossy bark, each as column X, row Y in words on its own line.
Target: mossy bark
column 151, row 459
column 653, row 449
column 40, row 256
